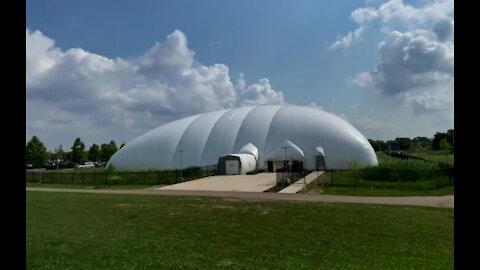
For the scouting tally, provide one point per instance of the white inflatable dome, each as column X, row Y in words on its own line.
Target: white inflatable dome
column 200, row 140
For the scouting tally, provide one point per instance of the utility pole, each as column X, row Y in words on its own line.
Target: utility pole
column 181, row 176
column 285, row 164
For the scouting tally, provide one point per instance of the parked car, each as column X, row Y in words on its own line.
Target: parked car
column 87, row 164
column 67, row 164
column 51, row 165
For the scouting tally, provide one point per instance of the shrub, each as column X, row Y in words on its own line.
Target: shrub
column 400, row 171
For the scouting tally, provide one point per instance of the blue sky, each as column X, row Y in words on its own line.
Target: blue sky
column 267, row 52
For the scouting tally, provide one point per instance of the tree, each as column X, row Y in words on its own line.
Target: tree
column 94, row 153
column 419, row 144
column 68, row 155
column 403, row 143
column 108, row 150
column 436, row 140
column 36, row 152
column 450, row 136
column 425, row 142
column 378, row 145
column 444, row 145
column 78, row 151
column 415, row 146
column 58, row 153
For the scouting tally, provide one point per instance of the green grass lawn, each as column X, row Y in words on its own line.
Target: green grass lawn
column 441, row 158
column 100, row 231
column 438, row 156
column 347, row 179
column 383, row 158
column 366, row 191
column 86, row 186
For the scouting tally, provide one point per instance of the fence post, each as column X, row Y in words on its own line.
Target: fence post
column 356, row 179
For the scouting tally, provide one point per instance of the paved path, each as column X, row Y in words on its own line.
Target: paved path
column 442, row 201
column 297, row 186
column 247, row 183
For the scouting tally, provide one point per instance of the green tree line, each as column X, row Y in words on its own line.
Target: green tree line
column 440, row 141
column 38, row 155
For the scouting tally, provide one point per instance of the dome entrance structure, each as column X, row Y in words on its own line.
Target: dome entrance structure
column 259, row 131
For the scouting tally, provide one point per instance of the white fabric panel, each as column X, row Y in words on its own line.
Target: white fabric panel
column 249, row 148
column 223, row 134
column 319, row 151
column 152, row 150
column 292, row 152
column 255, row 130
column 208, row 136
column 248, row 162
column 308, row 127
column 194, row 139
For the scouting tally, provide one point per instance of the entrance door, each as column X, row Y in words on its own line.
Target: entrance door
column 269, row 166
column 320, row 163
column 232, row 167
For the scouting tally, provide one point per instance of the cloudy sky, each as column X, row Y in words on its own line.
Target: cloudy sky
column 103, row 70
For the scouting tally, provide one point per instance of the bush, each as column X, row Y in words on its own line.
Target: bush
column 401, row 171
column 191, row 172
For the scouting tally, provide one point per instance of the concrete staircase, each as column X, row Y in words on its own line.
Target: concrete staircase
column 301, row 183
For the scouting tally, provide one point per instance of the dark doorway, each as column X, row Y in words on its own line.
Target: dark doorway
column 320, row 163
column 296, row 166
column 270, row 166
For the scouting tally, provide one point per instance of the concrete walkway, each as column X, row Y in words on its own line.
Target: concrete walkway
column 246, row 183
column 297, row 186
column 441, row 201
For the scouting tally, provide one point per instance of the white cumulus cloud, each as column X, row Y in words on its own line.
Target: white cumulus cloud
column 347, row 40
column 432, row 101
column 410, row 60
column 417, row 51
column 127, row 96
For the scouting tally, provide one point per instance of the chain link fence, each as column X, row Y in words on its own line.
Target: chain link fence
column 123, row 178
column 392, row 179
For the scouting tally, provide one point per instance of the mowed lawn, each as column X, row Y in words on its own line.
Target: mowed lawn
column 102, row 231
column 366, row 191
